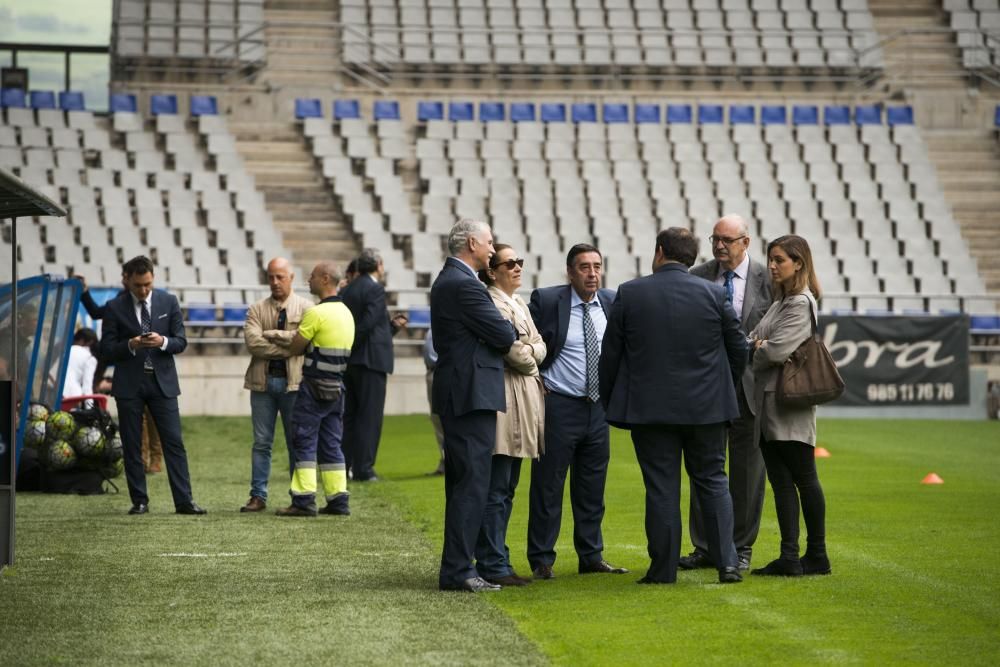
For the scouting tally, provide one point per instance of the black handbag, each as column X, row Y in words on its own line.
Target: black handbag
column 809, row 377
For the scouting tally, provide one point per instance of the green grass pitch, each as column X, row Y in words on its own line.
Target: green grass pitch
column 913, row 570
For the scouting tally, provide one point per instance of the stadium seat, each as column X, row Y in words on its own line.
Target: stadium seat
column 430, row 111
column 12, row 98
column 346, row 109
column 43, row 99
column 742, row 114
column 868, row 115
column 709, row 114
column 805, row 115
column 418, row 318
column 836, row 115
column 461, row 111
column 386, row 110
column 163, row 105
column 122, row 103
column 553, row 113
column 584, row 113
column 203, row 105
column 647, row 113
column 201, row 314
column 234, row 314
column 773, row 115
column 71, row 100
column 615, row 113
column 522, row 112
column 679, row 113
column 490, row 112
column 903, row 115
column 308, row 108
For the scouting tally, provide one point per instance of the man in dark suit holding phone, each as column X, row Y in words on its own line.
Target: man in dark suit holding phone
column 142, row 331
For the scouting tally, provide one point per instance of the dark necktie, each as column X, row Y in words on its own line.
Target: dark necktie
column 277, row 367
column 147, row 326
column 593, row 349
column 729, row 285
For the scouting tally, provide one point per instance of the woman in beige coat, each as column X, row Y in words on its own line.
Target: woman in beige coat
column 519, row 430
column 787, row 435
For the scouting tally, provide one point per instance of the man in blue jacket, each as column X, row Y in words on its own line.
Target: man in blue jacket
column 470, row 337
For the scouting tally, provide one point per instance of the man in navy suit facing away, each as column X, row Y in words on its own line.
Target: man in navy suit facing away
column 142, row 331
column 470, row 337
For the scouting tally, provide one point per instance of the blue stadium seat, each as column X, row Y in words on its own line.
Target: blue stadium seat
column 234, row 313
column 308, row 108
column 490, row 112
column 163, row 105
column 805, row 115
column 647, row 113
column 12, row 97
column 386, row 110
column 553, row 113
column 430, row 111
column 773, row 115
column 203, row 105
column 901, row 115
column 868, row 115
column 71, row 100
column 984, row 324
column 122, row 103
column 461, row 112
column 615, row 113
column 742, row 114
column 710, row 114
column 584, row 113
column 201, row 314
column 522, row 112
column 678, row 113
column 418, row 318
column 837, row 115
column 43, row 99
column 346, row 109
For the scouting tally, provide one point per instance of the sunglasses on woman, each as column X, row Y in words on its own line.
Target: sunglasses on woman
column 510, row 263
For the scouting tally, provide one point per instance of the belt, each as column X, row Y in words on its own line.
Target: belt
column 581, row 399
column 147, row 371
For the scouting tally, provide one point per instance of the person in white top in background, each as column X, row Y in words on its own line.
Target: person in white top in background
column 82, row 364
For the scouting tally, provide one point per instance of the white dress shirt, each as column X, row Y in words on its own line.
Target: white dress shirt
column 79, row 372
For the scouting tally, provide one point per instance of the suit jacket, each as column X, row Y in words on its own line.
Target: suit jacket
column 96, row 312
column 470, row 338
column 120, row 324
column 372, row 326
column 671, row 351
column 549, row 308
column 783, row 328
column 756, row 301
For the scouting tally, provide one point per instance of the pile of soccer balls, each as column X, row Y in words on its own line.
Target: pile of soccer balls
column 62, row 444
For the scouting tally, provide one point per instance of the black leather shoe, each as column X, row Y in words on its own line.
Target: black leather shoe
column 191, row 508
column 696, row 560
column 472, row 585
column 743, row 563
column 543, row 572
column 293, row 510
column 780, row 567
column 815, row 564
column 729, row 575
column 648, row 580
column 601, row 567
column 139, row 508
column 509, row 580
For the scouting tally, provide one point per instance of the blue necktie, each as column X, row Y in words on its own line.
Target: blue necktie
column 729, row 285
column 147, row 326
column 593, row 350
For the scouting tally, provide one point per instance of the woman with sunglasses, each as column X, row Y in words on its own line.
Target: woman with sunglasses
column 787, row 435
column 519, row 430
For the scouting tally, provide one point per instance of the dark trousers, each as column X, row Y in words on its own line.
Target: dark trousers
column 365, row 390
column 747, row 483
column 576, row 441
column 492, row 552
column 468, row 444
column 791, row 467
column 167, row 418
column 660, row 449
column 318, row 429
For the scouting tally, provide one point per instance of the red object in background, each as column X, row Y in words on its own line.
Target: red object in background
column 71, row 402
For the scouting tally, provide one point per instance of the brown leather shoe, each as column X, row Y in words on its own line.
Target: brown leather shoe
column 255, row 504
column 601, row 567
column 510, row 580
column 543, row 572
column 154, row 467
column 292, row 510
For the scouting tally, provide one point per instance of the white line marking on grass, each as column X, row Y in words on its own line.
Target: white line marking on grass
column 46, row 559
column 224, row 554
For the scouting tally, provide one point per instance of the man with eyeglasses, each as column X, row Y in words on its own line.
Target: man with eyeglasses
column 571, row 319
column 748, row 290
column 274, row 373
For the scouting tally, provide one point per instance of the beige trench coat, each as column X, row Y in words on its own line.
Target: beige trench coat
column 520, row 430
column 783, row 328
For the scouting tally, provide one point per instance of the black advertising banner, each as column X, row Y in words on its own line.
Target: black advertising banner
column 894, row 360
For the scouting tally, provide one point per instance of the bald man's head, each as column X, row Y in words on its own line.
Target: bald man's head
column 279, row 278
column 324, row 279
column 730, row 240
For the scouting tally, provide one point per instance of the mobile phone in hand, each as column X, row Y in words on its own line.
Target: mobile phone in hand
column 148, row 334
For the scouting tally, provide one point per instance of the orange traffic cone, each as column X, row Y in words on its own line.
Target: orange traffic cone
column 822, row 453
column 932, row 478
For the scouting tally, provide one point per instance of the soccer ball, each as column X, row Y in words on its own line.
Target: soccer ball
column 89, row 442
column 60, row 426
column 113, row 469
column 60, row 455
column 34, row 434
column 37, row 412
column 114, row 449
